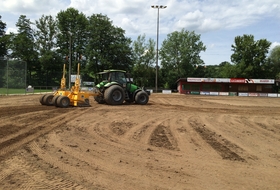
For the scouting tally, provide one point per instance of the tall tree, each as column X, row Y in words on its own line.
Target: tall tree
column 3, row 47
column 72, row 36
column 23, row 47
column 107, row 48
column 227, row 70
column 144, row 58
column 179, row 55
column 50, row 61
column 250, row 56
column 3, row 52
column 274, row 60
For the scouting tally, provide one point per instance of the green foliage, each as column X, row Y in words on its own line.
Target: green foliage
column 3, row 42
column 144, row 59
column 107, row 46
column 22, row 46
column 274, row 61
column 72, row 36
column 249, row 56
column 180, row 55
column 49, row 59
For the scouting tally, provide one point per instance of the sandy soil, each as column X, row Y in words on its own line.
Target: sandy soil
column 174, row 142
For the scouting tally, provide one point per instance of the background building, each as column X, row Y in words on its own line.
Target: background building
column 226, row 86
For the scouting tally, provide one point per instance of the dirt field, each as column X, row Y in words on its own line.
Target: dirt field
column 174, row 142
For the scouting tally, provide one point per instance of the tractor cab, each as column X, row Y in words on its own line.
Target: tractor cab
column 118, row 82
column 112, row 76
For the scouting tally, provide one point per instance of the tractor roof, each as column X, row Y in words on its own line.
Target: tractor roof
column 111, row 70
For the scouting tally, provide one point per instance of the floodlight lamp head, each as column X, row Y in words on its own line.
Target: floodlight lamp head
column 158, row 6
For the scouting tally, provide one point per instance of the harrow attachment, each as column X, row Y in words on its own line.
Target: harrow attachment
column 64, row 98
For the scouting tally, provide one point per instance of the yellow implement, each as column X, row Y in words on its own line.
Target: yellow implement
column 65, row 98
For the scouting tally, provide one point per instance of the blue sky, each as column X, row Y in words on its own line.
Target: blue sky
column 217, row 21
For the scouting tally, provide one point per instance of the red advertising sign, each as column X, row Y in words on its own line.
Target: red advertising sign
column 237, row 80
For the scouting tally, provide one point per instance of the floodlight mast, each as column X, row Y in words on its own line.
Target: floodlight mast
column 157, row 7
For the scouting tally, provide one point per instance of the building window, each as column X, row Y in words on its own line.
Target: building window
column 216, row 87
column 206, row 87
column 186, row 87
column 259, row 88
column 196, row 87
column 212, row 87
column 243, row 88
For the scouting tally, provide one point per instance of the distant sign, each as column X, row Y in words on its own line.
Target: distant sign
column 261, row 81
column 73, row 78
column 237, row 80
column 194, row 79
column 232, row 80
column 88, row 83
column 226, row 80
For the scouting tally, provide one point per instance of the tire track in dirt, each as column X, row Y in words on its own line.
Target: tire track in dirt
column 56, row 118
column 162, row 136
column 39, row 126
column 18, row 166
column 222, row 146
column 171, row 143
column 11, row 111
column 155, row 131
column 267, row 134
column 118, row 137
column 22, row 123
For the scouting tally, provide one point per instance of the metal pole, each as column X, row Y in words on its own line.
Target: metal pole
column 157, row 7
column 7, row 76
column 70, row 59
column 157, row 52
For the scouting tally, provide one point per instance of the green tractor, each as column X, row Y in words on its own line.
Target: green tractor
column 115, row 87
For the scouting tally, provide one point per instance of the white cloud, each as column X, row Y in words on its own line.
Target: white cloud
column 136, row 17
column 273, row 45
column 31, row 7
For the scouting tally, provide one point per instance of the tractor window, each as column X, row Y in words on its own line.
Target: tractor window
column 112, row 77
column 105, row 77
column 120, row 77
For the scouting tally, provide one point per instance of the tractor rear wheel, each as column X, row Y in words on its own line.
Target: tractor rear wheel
column 47, row 100
column 63, row 101
column 142, row 98
column 114, row 95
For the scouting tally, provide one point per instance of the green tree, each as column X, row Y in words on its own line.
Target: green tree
column 249, row 56
column 22, row 46
column 50, row 61
column 3, row 52
column 274, row 61
column 72, row 36
column 3, row 47
column 144, row 58
column 179, row 55
column 227, row 70
column 107, row 47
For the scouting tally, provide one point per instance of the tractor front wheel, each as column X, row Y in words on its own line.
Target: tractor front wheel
column 142, row 98
column 114, row 95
